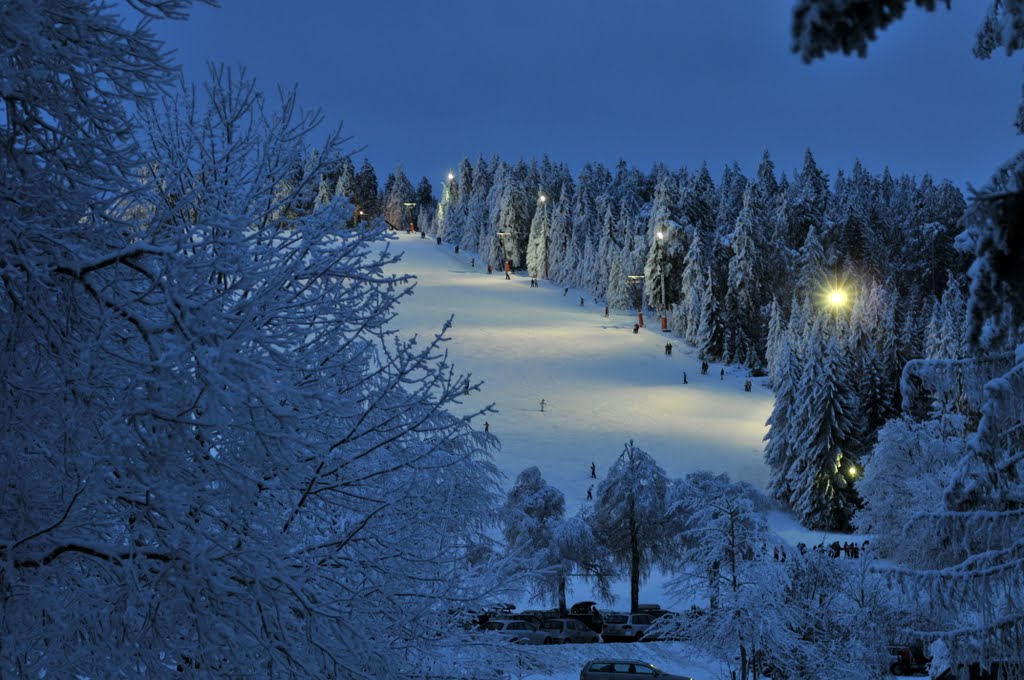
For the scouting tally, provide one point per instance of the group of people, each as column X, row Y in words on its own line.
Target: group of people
column 835, row 549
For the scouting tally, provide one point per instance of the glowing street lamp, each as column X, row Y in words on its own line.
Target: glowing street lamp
column 837, row 298
column 450, row 177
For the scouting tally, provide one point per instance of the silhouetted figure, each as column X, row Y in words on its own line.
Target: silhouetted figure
column 472, row 262
column 581, row 302
column 747, row 385
column 590, row 492
column 466, row 386
column 490, row 269
column 721, row 374
column 438, row 240
column 456, row 250
column 507, row 277
column 542, row 402
column 565, row 292
column 593, row 471
column 685, row 381
column 668, row 349
column 487, row 426
column 636, row 328
column 606, row 310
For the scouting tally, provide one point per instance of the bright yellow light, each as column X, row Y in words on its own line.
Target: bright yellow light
column 837, row 297
column 852, row 470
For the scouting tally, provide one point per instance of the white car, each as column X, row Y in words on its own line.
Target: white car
column 512, row 629
column 557, row 631
column 626, row 627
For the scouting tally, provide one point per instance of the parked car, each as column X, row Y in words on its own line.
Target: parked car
column 557, row 631
column 586, row 612
column 654, row 610
column 625, row 669
column 626, row 627
column 513, row 629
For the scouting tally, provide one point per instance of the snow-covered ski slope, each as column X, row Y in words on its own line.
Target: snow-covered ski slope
column 602, row 385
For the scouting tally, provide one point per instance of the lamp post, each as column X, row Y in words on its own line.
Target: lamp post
column 638, row 295
column 409, row 206
column 544, row 207
column 504, row 251
column 661, row 270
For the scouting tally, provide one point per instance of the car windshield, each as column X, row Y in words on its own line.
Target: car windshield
column 552, row 625
column 615, row 618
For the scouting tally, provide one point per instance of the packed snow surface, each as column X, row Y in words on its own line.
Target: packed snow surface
column 602, row 385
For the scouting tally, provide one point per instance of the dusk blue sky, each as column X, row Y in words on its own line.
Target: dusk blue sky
column 682, row 82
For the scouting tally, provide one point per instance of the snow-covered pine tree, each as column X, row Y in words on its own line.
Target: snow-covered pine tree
column 560, row 263
column 709, row 328
column 782, row 438
column 824, row 463
column 812, row 264
column 664, row 264
column 476, row 209
column 744, row 337
column 365, row 191
column 395, row 211
column 540, row 234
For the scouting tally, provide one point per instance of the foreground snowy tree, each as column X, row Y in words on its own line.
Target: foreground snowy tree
column 216, row 457
column 550, row 546
column 724, row 562
column 630, row 517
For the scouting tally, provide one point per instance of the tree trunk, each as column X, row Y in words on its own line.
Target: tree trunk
column 743, row 662
column 562, row 609
column 634, row 565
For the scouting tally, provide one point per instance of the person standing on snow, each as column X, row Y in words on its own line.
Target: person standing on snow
column 593, row 470
column 542, row 402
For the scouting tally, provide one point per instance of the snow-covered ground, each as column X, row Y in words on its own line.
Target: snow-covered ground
column 602, row 385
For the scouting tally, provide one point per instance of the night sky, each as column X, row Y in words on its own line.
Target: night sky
column 423, row 84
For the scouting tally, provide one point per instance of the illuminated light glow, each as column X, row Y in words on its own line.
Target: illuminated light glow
column 543, row 198
column 450, row 176
column 852, row 470
column 660, row 235
column 837, row 297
